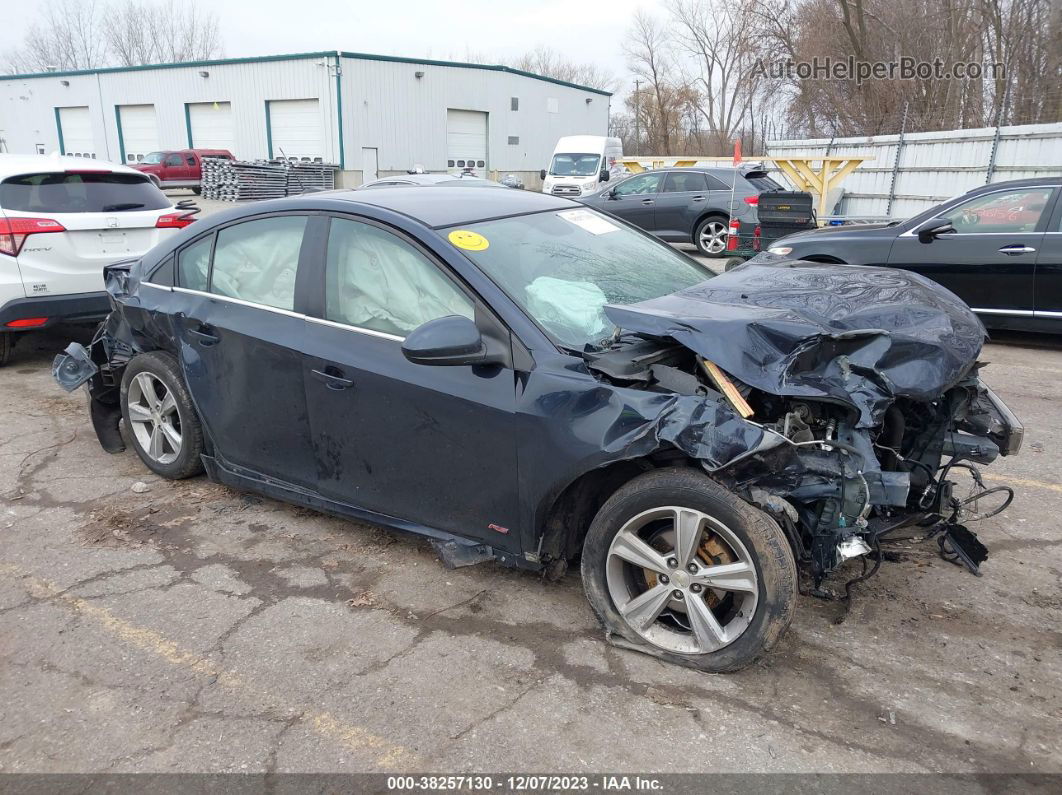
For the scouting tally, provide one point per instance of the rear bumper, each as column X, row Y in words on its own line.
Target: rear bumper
column 81, row 307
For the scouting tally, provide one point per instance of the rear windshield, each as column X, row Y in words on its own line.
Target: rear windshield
column 761, row 182
column 80, row 193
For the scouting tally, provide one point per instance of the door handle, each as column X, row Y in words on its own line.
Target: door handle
column 647, row 201
column 697, row 199
column 331, row 380
column 204, row 336
column 1016, row 249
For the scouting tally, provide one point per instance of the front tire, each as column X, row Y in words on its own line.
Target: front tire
column 681, row 568
column 160, row 418
column 710, row 236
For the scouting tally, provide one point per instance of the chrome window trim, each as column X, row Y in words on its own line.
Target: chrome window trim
column 912, row 232
column 370, row 332
column 1017, row 312
column 286, row 312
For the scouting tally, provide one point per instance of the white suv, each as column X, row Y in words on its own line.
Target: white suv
column 62, row 219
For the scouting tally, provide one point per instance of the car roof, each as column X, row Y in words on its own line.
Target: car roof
column 16, row 165
column 1014, row 183
column 447, row 206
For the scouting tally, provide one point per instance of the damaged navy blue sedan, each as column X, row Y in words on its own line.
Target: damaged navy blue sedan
column 523, row 379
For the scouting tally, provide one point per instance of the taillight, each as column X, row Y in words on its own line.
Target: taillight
column 27, row 322
column 756, row 233
column 14, row 231
column 752, row 201
column 734, row 235
column 174, row 220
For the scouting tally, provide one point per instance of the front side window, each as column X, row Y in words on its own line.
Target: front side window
column 84, row 192
column 1007, row 211
column 173, row 160
column 375, row 280
column 575, row 165
column 643, row 183
column 153, row 157
column 563, row 267
column 256, row 261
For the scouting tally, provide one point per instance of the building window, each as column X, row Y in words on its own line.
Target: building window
column 514, row 140
column 449, row 163
column 514, row 103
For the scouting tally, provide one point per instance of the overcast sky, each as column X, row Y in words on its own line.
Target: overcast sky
column 584, row 30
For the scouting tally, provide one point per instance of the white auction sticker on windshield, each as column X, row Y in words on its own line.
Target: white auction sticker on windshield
column 591, row 222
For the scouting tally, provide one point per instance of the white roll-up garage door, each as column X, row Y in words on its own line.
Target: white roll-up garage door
column 466, row 141
column 210, row 124
column 76, row 127
column 139, row 131
column 295, row 129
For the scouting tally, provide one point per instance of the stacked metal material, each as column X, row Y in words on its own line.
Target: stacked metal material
column 309, row 177
column 242, row 180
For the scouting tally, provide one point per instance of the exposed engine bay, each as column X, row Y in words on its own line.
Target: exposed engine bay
column 871, row 413
column 837, row 489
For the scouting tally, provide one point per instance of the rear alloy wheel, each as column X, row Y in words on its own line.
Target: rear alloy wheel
column 681, row 568
column 711, row 236
column 160, row 417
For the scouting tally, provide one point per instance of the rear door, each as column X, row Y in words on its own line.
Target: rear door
column 431, row 445
column 242, row 335
column 683, row 196
column 634, row 199
column 105, row 216
column 990, row 259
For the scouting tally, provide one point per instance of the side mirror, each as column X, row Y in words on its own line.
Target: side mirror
column 611, row 193
column 933, row 229
column 542, row 174
column 605, row 175
column 451, row 340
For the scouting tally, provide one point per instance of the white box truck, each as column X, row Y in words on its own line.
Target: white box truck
column 582, row 164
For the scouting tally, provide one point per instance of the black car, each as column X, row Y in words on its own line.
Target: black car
column 998, row 247
column 687, row 205
column 523, row 379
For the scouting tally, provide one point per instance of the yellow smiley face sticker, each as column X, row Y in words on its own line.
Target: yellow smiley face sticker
column 468, row 240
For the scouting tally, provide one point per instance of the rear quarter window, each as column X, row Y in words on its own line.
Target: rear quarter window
column 80, row 193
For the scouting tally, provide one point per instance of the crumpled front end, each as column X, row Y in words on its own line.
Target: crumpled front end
column 861, row 384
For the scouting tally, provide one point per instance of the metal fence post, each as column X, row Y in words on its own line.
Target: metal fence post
column 896, row 162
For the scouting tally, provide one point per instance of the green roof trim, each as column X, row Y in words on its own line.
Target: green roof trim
column 360, row 56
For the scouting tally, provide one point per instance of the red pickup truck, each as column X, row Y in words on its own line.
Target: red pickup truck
column 179, row 168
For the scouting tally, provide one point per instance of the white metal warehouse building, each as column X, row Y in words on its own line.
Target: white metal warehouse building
column 370, row 114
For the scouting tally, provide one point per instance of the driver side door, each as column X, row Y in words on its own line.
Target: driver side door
column 989, row 261
column 432, row 445
column 634, row 200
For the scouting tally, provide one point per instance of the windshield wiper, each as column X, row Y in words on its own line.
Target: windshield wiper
column 113, row 208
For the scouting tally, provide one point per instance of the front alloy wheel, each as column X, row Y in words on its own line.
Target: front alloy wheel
column 682, row 580
column 677, row 566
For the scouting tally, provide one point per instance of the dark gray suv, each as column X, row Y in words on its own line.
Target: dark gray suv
column 687, row 205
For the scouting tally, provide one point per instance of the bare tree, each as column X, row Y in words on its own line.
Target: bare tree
column 658, row 108
column 68, row 36
column 82, row 34
column 549, row 63
column 722, row 41
column 140, row 31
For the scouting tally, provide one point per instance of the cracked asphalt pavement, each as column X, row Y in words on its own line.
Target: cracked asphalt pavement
column 193, row 628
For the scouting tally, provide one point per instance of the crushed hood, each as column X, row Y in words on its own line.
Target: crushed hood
column 861, row 335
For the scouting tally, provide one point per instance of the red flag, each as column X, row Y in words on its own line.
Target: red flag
column 737, row 152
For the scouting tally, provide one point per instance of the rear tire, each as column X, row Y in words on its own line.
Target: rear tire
column 710, row 236
column 6, row 344
column 197, row 191
column 160, row 418
column 717, row 602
